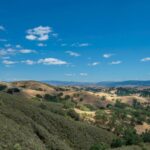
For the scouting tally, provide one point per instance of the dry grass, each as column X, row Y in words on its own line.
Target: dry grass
column 142, row 128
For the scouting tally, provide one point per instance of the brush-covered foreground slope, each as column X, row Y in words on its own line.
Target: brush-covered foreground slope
column 33, row 125
column 134, row 147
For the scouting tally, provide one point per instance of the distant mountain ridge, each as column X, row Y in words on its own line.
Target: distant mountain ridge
column 103, row 83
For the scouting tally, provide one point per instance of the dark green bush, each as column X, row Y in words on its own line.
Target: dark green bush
column 73, row 114
column 2, row 87
column 117, row 143
column 146, row 136
column 101, row 146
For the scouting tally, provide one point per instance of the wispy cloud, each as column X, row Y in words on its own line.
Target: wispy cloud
column 18, row 46
column 145, row 59
column 2, row 28
column 70, row 74
column 42, row 45
column 12, row 51
column 71, row 53
column 44, row 61
column 64, row 44
column 7, row 45
column 9, row 62
column 29, row 62
column 80, row 44
column 83, row 74
column 107, row 55
column 51, row 61
column 6, row 57
column 26, row 51
column 94, row 64
column 40, row 33
column 3, row 40
column 116, row 62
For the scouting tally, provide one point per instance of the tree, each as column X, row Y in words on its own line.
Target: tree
column 146, row 136
column 101, row 146
column 2, row 87
column 130, row 136
column 73, row 114
column 117, row 143
column 17, row 147
column 101, row 116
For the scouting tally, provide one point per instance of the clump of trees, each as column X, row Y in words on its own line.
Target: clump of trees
column 2, row 87
column 125, row 91
column 13, row 90
column 73, row 114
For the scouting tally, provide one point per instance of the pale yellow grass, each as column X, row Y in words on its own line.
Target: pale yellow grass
column 142, row 128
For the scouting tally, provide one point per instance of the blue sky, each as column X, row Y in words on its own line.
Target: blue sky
column 75, row 40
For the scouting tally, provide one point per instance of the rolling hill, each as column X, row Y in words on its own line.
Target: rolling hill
column 30, row 124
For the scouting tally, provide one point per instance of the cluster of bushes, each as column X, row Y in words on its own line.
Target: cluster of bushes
column 2, row 87
column 13, row 90
column 130, row 137
column 125, row 91
column 145, row 93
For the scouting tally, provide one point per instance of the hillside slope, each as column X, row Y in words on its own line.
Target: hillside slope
column 30, row 124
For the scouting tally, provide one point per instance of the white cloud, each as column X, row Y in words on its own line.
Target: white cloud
column 42, row 45
column 40, row 33
column 7, row 51
column 63, row 44
column 83, row 74
column 31, row 37
column 6, row 57
column 84, row 44
column 13, row 51
column 9, row 62
column 73, row 53
column 3, row 40
column 2, row 28
column 145, row 59
column 55, row 35
column 69, row 74
column 28, row 62
column 116, row 62
column 26, row 51
column 52, row 61
column 2, row 52
column 43, row 38
column 45, row 61
column 107, row 55
column 94, row 64
column 80, row 44
column 7, row 45
column 18, row 46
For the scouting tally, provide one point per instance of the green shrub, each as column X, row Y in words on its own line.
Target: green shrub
column 51, row 98
column 68, row 104
column 131, row 137
column 101, row 146
column 13, row 90
column 17, row 147
column 82, row 107
column 73, row 114
column 146, row 136
column 2, row 87
column 117, row 143
column 101, row 116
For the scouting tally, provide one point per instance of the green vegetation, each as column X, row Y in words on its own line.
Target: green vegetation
column 2, row 87
column 61, row 120
column 31, row 124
